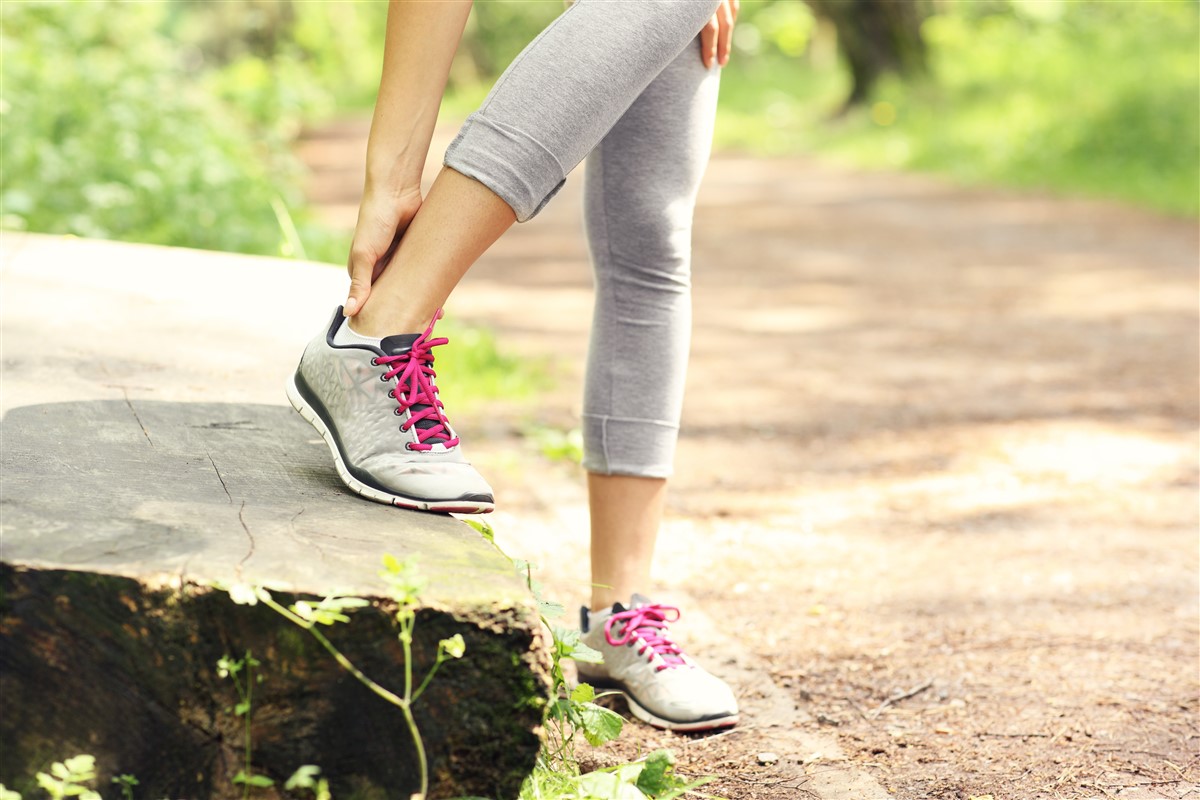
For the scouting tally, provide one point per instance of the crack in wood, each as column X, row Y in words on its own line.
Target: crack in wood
column 301, row 539
column 249, row 535
column 220, row 477
column 132, row 410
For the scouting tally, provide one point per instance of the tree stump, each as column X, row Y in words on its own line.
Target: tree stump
column 149, row 455
column 119, row 519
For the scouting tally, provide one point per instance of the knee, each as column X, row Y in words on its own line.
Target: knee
column 655, row 257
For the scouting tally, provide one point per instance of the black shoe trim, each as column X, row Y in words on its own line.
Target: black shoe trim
column 359, row 475
column 338, row 317
column 609, row 683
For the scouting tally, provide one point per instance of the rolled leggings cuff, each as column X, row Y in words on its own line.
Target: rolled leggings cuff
column 619, row 446
column 510, row 162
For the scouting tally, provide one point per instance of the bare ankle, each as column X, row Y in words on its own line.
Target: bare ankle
column 367, row 323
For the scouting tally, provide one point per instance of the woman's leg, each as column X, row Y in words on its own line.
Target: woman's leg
column 641, row 185
column 640, row 191
column 546, row 112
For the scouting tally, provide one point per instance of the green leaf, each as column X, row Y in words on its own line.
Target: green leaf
column 51, row 786
column 608, row 786
column 8, row 794
column 657, row 773
column 483, row 529
column 261, row 781
column 403, row 580
column 242, row 708
column 550, row 609
column 599, row 724
column 82, row 767
column 454, row 646
column 584, row 653
column 329, row 611
column 568, row 645
column 583, row 693
column 560, row 709
column 304, row 777
column 227, row 666
column 243, row 594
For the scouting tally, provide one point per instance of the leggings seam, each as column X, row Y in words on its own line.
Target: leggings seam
column 640, row 420
column 604, row 442
column 610, row 284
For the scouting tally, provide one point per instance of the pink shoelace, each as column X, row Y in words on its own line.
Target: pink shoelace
column 649, row 624
column 417, row 394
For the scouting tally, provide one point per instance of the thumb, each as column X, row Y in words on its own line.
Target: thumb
column 361, row 268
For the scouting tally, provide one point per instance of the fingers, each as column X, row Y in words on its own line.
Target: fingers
column 362, row 268
column 725, row 16
column 708, row 41
column 381, row 224
column 716, row 38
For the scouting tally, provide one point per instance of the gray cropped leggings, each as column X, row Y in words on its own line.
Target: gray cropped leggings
column 620, row 82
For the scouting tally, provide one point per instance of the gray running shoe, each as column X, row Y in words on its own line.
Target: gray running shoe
column 379, row 412
column 663, row 687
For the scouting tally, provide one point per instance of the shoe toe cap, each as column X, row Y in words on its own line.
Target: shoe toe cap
column 436, row 481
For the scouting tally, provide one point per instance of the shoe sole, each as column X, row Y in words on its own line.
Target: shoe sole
column 683, row 727
column 358, row 487
column 652, row 719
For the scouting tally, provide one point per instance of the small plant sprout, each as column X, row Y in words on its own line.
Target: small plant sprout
column 244, row 686
column 70, row 778
column 126, row 782
column 307, row 777
column 404, row 584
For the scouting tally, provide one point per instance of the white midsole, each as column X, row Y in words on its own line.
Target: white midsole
column 651, row 719
column 357, row 486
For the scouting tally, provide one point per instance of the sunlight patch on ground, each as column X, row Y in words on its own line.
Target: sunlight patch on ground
column 1094, row 455
column 1113, row 292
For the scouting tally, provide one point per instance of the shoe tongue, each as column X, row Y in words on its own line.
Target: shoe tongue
column 399, row 344
column 639, row 600
column 636, row 601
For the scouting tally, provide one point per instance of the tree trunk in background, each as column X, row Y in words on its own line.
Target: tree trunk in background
column 876, row 36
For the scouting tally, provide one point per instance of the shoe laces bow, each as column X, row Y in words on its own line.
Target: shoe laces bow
column 416, row 392
column 647, row 625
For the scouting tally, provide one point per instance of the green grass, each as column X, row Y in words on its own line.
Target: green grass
column 1099, row 101
column 473, row 370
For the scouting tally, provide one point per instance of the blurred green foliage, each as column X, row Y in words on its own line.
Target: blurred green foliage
column 1086, row 97
column 173, row 123
column 106, row 135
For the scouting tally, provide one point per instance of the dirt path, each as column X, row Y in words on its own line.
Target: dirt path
column 936, row 507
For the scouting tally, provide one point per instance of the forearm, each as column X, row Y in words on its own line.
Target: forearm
column 422, row 36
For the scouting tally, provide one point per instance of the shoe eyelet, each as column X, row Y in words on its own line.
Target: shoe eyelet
column 407, row 445
column 398, row 413
column 392, row 393
column 384, row 377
